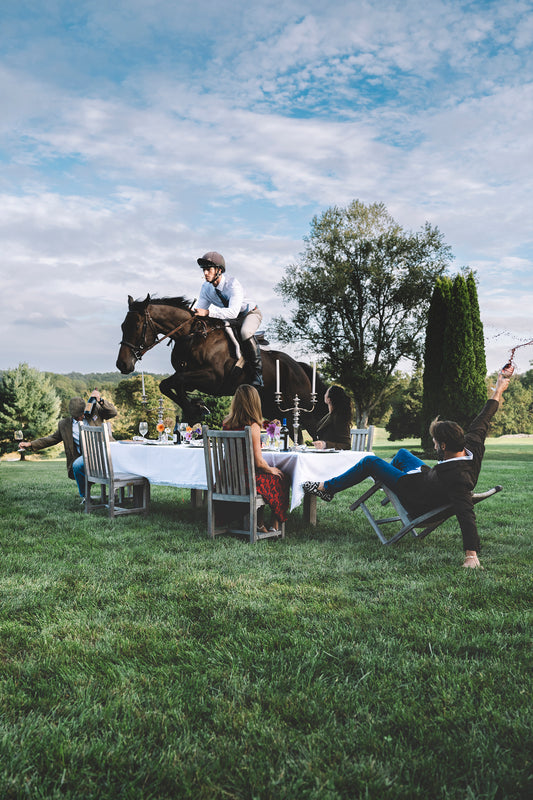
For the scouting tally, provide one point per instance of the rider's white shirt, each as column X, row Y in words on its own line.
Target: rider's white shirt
column 232, row 290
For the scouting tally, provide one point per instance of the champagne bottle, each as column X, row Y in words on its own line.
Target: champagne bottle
column 284, row 436
column 176, row 435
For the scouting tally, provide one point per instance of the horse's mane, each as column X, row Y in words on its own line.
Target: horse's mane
column 176, row 302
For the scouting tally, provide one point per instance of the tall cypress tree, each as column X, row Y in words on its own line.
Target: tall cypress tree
column 455, row 366
column 434, row 356
column 459, row 361
column 479, row 392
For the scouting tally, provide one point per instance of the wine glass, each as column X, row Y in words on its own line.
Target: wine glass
column 19, row 436
column 143, row 429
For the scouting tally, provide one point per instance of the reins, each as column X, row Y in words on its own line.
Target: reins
column 139, row 350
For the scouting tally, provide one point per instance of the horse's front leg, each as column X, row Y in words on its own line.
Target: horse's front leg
column 175, row 389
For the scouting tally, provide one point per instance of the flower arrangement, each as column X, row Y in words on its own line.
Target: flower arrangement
column 193, row 433
column 160, row 427
column 273, row 428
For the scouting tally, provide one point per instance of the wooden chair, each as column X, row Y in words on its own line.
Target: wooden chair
column 94, row 440
column 362, row 438
column 230, row 473
column 427, row 522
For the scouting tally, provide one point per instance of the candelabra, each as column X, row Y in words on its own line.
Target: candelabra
column 296, row 410
column 296, row 400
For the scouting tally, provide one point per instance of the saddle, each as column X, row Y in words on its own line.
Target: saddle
column 232, row 328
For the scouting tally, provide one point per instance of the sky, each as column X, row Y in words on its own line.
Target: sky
column 136, row 135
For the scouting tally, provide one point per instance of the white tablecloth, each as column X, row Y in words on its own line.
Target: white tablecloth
column 184, row 466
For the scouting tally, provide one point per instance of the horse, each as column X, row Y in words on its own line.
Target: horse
column 205, row 358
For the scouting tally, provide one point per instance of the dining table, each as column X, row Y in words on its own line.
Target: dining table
column 183, row 466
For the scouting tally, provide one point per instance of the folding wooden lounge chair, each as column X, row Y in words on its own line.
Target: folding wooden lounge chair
column 427, row 522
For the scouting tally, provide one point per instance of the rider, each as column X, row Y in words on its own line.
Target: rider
column 222, row 297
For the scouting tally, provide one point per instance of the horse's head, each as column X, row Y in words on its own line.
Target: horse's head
column 137, row 334
column 144, row 321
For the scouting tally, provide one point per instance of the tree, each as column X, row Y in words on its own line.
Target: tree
column 478, row 336
column 406, row 416
column 455, row 367
column 128, row 399
column 28, row 402
column 515, row 415
column 434, row 355
column 361, row 289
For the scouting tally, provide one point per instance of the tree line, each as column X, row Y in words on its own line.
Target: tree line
column 34, row 401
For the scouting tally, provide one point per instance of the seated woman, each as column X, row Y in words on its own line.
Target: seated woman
column 334, row 429
column 272, row 484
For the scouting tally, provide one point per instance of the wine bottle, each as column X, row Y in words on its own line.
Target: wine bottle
column 284, row 436
column 176, row 435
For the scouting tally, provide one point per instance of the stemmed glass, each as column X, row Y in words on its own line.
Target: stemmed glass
column 19, row 436
column 143, row 429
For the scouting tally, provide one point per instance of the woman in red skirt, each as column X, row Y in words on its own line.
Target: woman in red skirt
column 272, row 484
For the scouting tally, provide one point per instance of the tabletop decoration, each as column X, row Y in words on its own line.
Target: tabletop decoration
column 296, row 409
column 193, row 433
column 273, row 429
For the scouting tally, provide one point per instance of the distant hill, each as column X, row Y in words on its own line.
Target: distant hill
column 92, row 379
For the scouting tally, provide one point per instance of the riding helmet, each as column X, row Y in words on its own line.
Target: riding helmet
column 212, row 259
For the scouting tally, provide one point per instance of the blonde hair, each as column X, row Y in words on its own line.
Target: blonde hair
column 245, row 408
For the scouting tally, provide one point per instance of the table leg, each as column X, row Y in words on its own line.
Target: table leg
column 310, row 509
column 198, row 497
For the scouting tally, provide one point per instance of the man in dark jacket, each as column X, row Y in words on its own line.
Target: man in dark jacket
column 421, row 488
column 68, row 433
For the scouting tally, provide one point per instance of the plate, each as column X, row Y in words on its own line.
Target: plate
column 327, row 450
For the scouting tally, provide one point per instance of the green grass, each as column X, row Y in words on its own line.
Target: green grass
column 141, row 660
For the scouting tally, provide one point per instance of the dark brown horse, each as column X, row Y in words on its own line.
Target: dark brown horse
column 205, row 358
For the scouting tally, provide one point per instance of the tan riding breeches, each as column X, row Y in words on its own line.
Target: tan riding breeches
column 251, row 323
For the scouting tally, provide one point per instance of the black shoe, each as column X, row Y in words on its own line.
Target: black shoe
column 311, row 487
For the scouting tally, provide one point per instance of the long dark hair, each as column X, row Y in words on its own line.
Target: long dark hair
column 245, row 408
column 341, row 403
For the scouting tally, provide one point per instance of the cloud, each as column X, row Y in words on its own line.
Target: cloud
column 137, row 135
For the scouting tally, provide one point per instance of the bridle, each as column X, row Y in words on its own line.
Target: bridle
column 148, row 323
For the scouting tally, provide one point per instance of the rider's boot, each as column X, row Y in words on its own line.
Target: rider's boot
column 252, row 354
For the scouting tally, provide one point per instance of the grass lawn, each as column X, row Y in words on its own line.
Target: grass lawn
column 141, row 660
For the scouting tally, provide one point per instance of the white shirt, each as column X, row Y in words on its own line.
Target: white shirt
column 232, row 290
column 469, row 456
column 76, row 433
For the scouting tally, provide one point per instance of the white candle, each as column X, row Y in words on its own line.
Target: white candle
column 314, row 377
column 277, row 375
column 142, row 377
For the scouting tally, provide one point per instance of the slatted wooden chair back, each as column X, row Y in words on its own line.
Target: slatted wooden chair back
column 120, row 492
column 362, row 438
column 230, row 474
column 96, row 452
